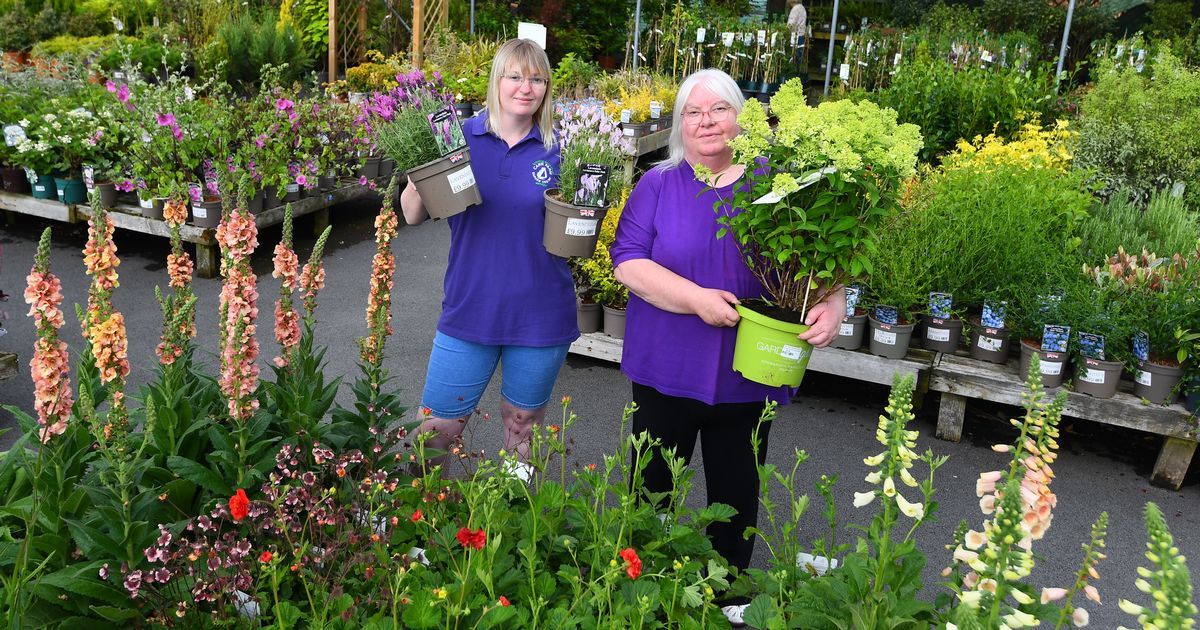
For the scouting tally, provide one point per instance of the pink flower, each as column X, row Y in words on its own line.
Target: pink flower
column 165, row 120
column 284, row 105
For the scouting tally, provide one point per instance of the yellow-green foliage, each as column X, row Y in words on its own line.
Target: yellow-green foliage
column 637, row 101
column 377, row 74
column 599, row 268
column 1033, row 147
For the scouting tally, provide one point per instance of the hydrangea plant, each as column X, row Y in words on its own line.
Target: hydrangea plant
column 818, row 188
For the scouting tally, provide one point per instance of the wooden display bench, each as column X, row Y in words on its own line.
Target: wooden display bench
column 8, row 365
column 128, row 217
column 959, row 378
column 857, row 364
column 645, row 145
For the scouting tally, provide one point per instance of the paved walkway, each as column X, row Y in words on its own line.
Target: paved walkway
column 833, row 419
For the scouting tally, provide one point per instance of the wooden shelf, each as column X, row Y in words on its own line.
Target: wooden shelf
column 8, row 365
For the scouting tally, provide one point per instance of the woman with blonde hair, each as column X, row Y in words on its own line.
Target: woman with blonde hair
column 507, row 300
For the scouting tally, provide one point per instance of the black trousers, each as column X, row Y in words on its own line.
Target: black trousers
column 730, row 472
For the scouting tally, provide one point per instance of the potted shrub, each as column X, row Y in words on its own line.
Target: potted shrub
column 1103, row 338
column 590, row 181
column 102, row 174
column 403, row 123
column 632, row 109
column 38, row 157
column 990, row 337
column 899, row 282
column 816, row 192
column 587, row 309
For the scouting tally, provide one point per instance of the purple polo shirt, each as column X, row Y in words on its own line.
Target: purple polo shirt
column 502, row 286
column 669, row 219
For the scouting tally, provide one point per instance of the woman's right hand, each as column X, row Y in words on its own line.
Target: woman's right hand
column 715, row 307
column 411, row 205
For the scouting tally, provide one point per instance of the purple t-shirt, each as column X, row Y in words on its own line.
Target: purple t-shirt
column 669, row 219
column 502, row 286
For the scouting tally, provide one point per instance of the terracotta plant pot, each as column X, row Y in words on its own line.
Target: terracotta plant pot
column 851, row 332
column 890, row 340
column 587, row 316
column 614, row 322
column 1053, row 364
column 15, row 180
column 207, row 214
column 1096, row 378
column 446, row 185
column 570, row 230
column 989, row 344
column 942, row 335
column 1156, row 382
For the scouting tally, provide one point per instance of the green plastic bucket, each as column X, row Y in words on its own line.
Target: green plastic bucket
column 767, row 350
column 44, row 187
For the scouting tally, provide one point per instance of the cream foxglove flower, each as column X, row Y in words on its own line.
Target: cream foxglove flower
column 863, row 498
column 907, row 478
column 875, row 460
column 911, row 510
column 889, row 487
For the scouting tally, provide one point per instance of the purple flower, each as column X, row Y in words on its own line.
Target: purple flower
column 165, row 120
column 302, row 180
column 111, row 87
column 284, row 105
column 260, row 140
column 125, row 186
column 177, row 132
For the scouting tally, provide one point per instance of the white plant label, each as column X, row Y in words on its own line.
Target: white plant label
column 700, row 32
column 794, row 353
column 1051, row 368
column 461, row 180
column 937, row 334
column 655, row 109
column 626, row 116
column 846, row 330
column 727, row 39
column 896, row 60
column 1092, row 376
column 886, row 338
column 1144, row 378
column 39, row 188
column 146, row 203
column 293, row 188
column 200, row 212
column 762, row 37
column 844, row 72
column 991, row 344
column 581, row 227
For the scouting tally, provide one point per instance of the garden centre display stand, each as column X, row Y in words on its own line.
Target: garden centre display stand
column 959, row 378
column 645, row 145
column 8, row 365
column 208, row 255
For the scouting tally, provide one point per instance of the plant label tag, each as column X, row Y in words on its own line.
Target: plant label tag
column 993, row 314
column 39, row 188
column 887, row 314
column 461, row 180
column 581, row 227
column 700, row 33
column 145, row 203
column 768, row 198
column 655, row 109
column 1091, row 345
column 762, row 37
column 844, row 72
column 1054, row 338
column 937, row 334
column 773, row 37
column 200, row 212
column 591, row 188
column 1143, row 378
column 846, row 330
column 1141, row 345
column 987, row 57
column 990, row 344
column 89, row 177
column 446, row 130
column 727, row 39
column 292, row 188
column 626, row 116
column 792, row 353
column 1177, row 189
column 884, row 337
column 747, row 39
column 940, row 305
column 896, row 61
column 853, row 292
column 1092, row 376
column 1051, row 368
column 1120, row 51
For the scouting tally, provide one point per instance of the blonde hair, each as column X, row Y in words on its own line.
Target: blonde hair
column 718, row 83
column 532, row 60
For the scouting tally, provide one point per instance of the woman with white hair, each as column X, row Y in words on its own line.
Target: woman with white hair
column 680, row 322
column 507, row 300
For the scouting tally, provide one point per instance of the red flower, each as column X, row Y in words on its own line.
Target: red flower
column 239, row 505
column 633, row 564
column 265, row 557
column 504, row 601
column 416, row 516
column 468, row 538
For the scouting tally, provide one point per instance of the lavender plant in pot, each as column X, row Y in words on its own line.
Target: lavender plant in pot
column 817, row 190
column 590, row 182
column 415, row 125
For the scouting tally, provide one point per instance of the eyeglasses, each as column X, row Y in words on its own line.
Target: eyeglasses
column 537, row 82
column 719, row 113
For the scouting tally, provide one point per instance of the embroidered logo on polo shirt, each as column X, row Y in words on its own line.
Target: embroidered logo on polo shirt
column 543, row 173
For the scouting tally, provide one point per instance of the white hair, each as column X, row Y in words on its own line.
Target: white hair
column 718, row 83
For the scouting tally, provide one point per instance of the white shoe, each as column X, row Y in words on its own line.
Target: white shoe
column 819, row 565
column 520, row 470
column 736, row 614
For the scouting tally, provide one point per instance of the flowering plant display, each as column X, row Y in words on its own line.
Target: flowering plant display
column 598, row 269
column 61, row 142
column 590, row 137
column 398, row 120
column 820, row 186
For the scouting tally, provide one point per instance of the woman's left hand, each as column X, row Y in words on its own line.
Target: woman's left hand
column 825, row 319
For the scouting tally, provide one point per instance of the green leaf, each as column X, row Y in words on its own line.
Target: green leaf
column 114, row 614
column 199, row 475
column 762, row 612
column 716, row 512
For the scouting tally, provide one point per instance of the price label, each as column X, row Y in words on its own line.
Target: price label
column 844, row 72
column 990, row 344
column 937, row 334
column 846, row 330
column 727, row 39
column 39, row 188
column 626, row 116
column 581, row 227
column 293, row 187
column 762, row 37
column 461, row 180
column 1051, row 368
column 145, row 203
column 1143, row 378
column 200, row 212
column 896, row 60
column 1092, row 376
column 700, row 33
column 884, row 337
column 792, row 353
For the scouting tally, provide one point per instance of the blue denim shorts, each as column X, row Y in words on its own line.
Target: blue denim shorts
column 459, row 372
